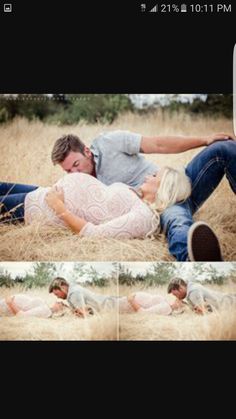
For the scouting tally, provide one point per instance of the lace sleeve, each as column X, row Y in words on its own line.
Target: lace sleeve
column 163, row 308
column 137, row 223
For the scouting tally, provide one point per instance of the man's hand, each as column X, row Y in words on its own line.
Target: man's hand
column 80, row 312
column 55, row 200
column 217, row 137
column 199, row 310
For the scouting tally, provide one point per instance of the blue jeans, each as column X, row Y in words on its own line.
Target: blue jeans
column 205, row 172
column 12, row 195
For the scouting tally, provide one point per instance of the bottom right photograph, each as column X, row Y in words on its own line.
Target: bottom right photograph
column 177, row 301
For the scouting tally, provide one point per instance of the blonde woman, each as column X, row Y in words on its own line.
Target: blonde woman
column 88, row 207
column 27, row 306
column 142, row 301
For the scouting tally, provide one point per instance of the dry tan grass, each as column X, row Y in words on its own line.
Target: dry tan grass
column 25, row 158
column 185, row 326
column 103, row 326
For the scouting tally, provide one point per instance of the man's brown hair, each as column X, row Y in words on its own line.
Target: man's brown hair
column 64, row 145
column 175, row 283
column 57, row 283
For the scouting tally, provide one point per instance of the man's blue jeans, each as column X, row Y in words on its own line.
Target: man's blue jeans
column 13, row 195
column 205, row 172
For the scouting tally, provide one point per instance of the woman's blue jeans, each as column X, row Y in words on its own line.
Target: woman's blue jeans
column 13, row 195
column 205, row 171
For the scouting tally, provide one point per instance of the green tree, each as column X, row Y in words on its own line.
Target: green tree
column 125, row 275
column 162, row 273
column 208, row 273
column 79, row 271
column 43, row 273
column 92, row 108
column 5, row 278
column 97, row 279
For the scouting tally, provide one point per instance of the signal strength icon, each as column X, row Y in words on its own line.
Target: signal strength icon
column 154, row 9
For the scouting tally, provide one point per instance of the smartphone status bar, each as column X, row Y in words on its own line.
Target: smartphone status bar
column 187, row 8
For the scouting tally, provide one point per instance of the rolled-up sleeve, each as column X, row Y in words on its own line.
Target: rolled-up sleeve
column 196, row 298
column 76, row 300
column 126, row 141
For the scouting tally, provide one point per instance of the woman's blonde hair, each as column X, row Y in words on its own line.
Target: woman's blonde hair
column 175, row 186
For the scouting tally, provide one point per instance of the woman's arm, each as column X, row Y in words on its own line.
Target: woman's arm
column 137, row 223
column 73, row 221
column 55, row 200
column 11, row 304
column 131, row 299
column 39, row 311
column 163, row 308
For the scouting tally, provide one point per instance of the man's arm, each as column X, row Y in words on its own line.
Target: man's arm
column 76, row 300
column 178, row 144
column 197, row 302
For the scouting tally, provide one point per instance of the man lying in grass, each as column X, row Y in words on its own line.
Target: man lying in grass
column 200, row 298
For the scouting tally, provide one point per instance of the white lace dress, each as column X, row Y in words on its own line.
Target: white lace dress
column 27, row 306
column 110, row 211
column 152, row 303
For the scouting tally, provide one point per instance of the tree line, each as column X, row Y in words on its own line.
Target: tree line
column 161, row 274
column 68, row 109
column 158, row 274
column 42, row 274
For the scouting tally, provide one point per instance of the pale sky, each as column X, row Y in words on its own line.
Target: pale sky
column 21, row 268
column 104, row 268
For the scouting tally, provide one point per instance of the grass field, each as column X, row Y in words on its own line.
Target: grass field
column 25, row 158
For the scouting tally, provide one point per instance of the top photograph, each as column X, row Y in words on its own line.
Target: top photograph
column 117, row 177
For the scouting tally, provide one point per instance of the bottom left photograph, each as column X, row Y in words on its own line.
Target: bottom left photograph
column 40, row 300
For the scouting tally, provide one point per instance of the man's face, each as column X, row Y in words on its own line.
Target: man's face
column 179, row 293
column 60, row 293
column 78, row 162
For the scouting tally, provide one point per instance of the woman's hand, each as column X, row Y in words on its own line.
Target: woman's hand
column 131, row 299
column 55, row 200
column 11, row 304
column 217, row 137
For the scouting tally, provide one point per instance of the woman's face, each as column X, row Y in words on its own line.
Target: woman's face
column 57, row 307
column 152, row 183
